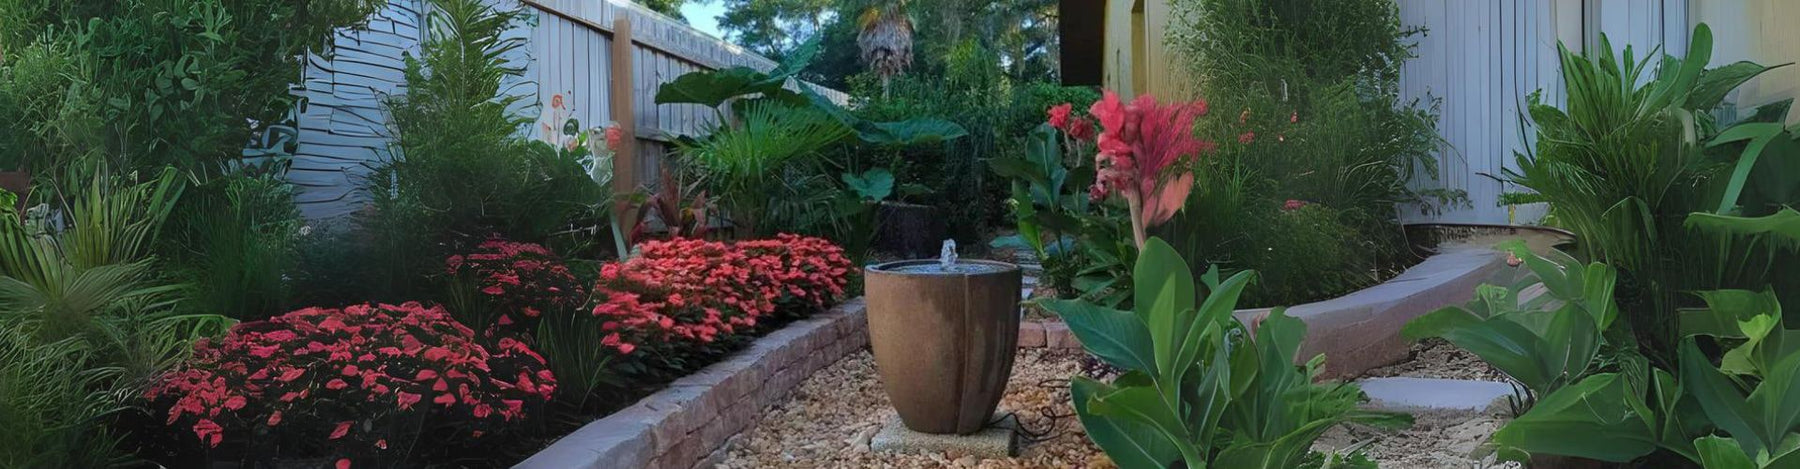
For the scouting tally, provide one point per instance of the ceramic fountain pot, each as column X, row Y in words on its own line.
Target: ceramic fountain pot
column 944, row 339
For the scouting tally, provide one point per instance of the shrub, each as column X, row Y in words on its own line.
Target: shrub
column 366, row 382
column 1197, row 388
column 1314, row 89
column 152, row 83
column 506, row 286
column 697, row 290
column 235, row 244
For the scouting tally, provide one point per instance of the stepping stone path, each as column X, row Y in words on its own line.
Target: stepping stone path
column 1415, row 394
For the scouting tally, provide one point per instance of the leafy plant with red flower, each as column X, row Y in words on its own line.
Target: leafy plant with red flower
column 363, row 383
column 506, row 286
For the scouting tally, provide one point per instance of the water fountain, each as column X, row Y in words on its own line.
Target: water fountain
column 943, row 332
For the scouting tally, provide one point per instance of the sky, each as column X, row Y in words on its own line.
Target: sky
column 704, row 15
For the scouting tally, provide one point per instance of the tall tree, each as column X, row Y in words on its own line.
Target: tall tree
column 667, row 7
column 886, row 40
column 773, row 27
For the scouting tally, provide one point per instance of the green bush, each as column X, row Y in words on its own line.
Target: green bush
column 1307, row 104
column 235, row 245
column 460, row 172
column 149, row 83
column 975, row 93
column 1196, row 388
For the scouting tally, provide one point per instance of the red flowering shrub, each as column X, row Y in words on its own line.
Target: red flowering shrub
column 507, row 285
column 697, row 290
column 365, row 381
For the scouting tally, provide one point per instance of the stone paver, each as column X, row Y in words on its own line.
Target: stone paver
column 996, row 441
column 1414, row 394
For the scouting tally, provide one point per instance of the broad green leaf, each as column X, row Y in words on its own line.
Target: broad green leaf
column 1118, row 337
column 1714, row 84
column 1723, row 402
column 873, row 185
column 1143, row 405
column 1590, row 419
column 1164, row 297
column 1783, row 226
column 908, row 132
column 712, row 88
column 1130, row 445
column 1718, row 452
column 1760, row 134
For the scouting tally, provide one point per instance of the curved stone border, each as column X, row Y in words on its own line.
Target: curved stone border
column 682, row 426
column 1360, row 330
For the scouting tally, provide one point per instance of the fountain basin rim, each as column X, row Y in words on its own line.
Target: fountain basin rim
column 894, row 268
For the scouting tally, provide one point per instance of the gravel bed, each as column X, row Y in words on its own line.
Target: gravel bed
column 828, row 421
column 1437, row 358
column 1435, row 441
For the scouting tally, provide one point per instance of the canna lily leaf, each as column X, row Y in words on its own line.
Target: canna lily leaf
column 1590, row 419
column 1130, row 445
column 1117, row 337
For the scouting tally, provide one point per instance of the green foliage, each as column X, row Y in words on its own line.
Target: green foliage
column 85, row 320
column 149, row 83
column 1311, row 113
column 1545, row 343
column 234, row 243
column 770, row 161
column 52, row 408
column 460, row 171
column 1195, row 388
column 995, row 109
column 1633, row 162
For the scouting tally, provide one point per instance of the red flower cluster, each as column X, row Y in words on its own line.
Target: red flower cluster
column 1077, row 127
column 698, row 290
column 362, row 375
column 515, row 281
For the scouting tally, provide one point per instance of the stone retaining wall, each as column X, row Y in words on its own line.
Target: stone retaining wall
column 1360, row 330
column 683, row 426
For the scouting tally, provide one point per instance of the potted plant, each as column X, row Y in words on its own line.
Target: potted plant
column 943, row 332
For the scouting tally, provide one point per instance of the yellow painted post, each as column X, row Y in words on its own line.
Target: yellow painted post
column 624, row 95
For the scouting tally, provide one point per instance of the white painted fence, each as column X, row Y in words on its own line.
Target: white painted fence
column 344, row 127
column 1483, row 58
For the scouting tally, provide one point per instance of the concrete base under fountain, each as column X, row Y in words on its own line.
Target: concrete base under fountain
column 997, row 440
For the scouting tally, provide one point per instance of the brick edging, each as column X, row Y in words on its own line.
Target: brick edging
column 681, row 426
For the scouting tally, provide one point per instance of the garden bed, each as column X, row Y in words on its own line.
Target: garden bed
column 682, row 425
column 1360, row 331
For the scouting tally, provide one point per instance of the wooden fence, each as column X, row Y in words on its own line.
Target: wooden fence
column 588, row 52
column 1483, row 59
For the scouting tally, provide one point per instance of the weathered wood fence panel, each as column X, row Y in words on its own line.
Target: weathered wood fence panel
column 345, row 131
column 1483, row 59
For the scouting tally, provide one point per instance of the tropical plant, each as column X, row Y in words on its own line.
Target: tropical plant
column 1146, row 150
column 766, row 160
column 85, row 277
column 53, row 406
column 1196, row 389
column 1626, row 164
column 886, row 39
column 1545, row 343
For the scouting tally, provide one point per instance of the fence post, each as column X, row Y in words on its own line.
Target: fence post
column 624, row 94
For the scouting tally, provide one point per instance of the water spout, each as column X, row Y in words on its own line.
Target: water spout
column 947, row 257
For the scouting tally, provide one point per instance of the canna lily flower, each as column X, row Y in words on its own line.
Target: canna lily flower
column 1145, row 148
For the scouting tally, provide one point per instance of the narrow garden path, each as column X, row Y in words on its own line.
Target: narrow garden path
column 828, row 421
